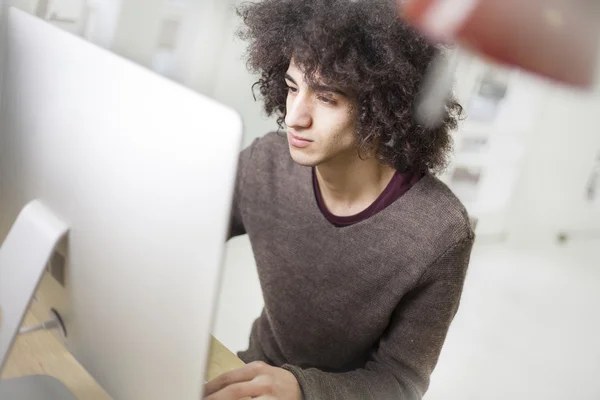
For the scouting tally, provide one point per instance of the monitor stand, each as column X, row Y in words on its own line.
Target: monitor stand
column 23, row 257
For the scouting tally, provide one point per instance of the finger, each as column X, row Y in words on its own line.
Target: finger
column 555, row 38
column 237, row 391
column 243, row 374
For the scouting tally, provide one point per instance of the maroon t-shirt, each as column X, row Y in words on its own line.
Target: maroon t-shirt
column 400, row 184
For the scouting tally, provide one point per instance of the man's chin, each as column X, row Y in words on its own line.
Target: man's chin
column 303, row 159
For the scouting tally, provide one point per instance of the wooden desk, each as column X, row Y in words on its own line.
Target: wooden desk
column 42, row 353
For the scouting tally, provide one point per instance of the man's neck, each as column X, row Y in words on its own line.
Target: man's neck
column 350, row 185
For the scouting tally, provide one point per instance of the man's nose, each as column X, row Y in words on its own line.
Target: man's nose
column 298, row 114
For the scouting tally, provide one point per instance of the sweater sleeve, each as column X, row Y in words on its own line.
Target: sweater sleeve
column 236, row 224
column 400, row 366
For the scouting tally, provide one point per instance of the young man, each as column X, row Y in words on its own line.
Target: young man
column 361, row 251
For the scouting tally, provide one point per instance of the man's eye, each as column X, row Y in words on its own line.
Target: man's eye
column 292, row 89
column 327, row 100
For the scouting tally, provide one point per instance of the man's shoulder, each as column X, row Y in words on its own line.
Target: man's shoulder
column 435, row 213
column 437, row 197
column 272, row 145
column 268, row 158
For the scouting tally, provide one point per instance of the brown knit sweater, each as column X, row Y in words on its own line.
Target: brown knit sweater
column 355, row 312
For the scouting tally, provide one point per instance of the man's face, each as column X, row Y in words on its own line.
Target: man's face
column 321, row 121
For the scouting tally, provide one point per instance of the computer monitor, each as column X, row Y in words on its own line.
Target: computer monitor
column 139, row 172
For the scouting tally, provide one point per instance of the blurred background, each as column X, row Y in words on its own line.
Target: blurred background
column 526, row 165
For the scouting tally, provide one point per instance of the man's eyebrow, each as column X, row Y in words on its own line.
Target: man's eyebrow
column 319, row 87
column 289, row 78
column 325, row 88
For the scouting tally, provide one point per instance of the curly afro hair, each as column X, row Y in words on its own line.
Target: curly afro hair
column 361, row 45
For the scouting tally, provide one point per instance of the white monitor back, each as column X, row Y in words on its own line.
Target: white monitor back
column 142, row 171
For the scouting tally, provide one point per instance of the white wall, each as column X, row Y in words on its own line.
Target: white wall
column 208, row 57
column 65, row 8
column 25, row 5
column 233, row 85
column 550, row 195
column 102, row 23
column 138, row 28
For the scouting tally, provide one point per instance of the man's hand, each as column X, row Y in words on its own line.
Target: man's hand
column 256, row 380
